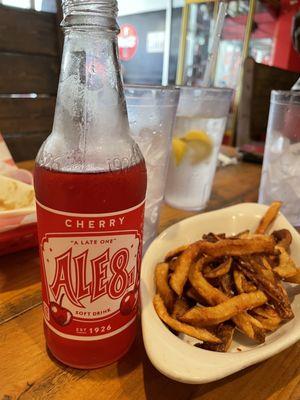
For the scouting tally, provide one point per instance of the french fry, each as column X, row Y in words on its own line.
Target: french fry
column 214, row 296
column 211, row 294
column 182, row 265
column 163, row 288
column 239, row 279
column 198, row 333
column 268, row 317
column 264, row 267
column 212, row 237
column 294, row 279
column 255, row 323
column 225, row 333
column 172, row 265
column 249, row 287
column 226, row 284
column 191, row 293
column 283, row 238
column 286, row 268
column 268, row 324
column 222, row 248
column 222, row 269
column 180, row 308
column 266, row 263
column 175, row 252
column 269, row 217
column 274, row 290
column 259, row 330
column 209, row 316
column 241, row 283
column 237, row 247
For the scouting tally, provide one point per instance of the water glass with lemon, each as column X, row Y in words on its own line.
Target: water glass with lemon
column 197, row 136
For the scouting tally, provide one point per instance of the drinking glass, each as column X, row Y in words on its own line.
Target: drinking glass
column 199, row 128
column 281, row 168
column 151, row 113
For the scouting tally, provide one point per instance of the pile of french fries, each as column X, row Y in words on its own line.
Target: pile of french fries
column 212, row 287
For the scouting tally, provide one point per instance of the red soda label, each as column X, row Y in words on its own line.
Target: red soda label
column 90, row 267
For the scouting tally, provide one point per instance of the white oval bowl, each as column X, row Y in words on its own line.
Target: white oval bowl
column 181, row 361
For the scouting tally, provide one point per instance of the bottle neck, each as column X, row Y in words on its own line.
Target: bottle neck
column 90, row 99
column 91, row 130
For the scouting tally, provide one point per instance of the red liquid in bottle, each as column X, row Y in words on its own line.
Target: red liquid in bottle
column 90, row 193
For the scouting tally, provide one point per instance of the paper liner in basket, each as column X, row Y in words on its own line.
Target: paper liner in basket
column 17, row 208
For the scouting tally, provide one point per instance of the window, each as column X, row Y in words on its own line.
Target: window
column 45, row 5
column 39, row 5
column 17, row 3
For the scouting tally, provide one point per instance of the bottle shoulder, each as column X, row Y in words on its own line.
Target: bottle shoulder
column 63, row 153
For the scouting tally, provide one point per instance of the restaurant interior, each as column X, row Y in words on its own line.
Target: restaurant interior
column 177, row 283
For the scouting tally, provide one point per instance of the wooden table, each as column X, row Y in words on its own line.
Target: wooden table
column 28, row 372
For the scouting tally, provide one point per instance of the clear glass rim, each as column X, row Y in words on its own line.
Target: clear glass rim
column 151, row 95
column 157, row 88
column 201, row 89
column 285, row 97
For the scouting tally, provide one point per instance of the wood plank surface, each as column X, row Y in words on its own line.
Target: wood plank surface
column 27, row 372
column 26, row 114
column 18, row 295
column 25, row 123
column 59, row 32
column 28, row 74
column 266, row 79
column 25, row 145
column 27, row 31
column 258, row 82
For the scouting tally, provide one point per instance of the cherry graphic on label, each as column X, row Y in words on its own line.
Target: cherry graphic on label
column 62, row 316
column 128, row 302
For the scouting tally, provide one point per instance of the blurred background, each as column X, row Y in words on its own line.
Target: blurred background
column 160, row 42
column 145, row 20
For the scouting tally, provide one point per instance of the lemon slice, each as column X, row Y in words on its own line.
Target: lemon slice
column 201, row 136
column 179, row 148
column 199, row 146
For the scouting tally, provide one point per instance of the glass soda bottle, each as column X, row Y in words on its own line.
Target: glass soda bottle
column 90, row 183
